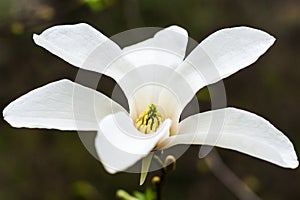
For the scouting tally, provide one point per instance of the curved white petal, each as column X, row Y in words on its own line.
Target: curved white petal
column 222, row 54
column 239, row 130
column 83, row 46
column 120, row 145
column 167, row 102
column 60, row 105
column 167, row 48
column 158, row 85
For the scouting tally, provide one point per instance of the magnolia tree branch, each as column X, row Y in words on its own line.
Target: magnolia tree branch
column 158, row 182
column 169, row 165
column 132, row 13
column 228, row 178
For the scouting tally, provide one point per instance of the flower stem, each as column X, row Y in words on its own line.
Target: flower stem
column 158, row 182
column 168, row 166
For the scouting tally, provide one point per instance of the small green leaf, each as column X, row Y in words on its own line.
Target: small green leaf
column 150, row 194
column 139, row 195
column 122, row 194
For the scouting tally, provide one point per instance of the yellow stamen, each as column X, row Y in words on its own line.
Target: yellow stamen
column 149, row 121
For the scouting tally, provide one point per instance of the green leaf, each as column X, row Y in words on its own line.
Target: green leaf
column 150, row 194
column 122, row 194
column 139, row 195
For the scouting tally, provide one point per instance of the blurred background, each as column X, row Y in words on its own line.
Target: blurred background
column 49, row 164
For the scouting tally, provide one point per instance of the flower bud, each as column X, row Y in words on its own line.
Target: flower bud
column 170, row 164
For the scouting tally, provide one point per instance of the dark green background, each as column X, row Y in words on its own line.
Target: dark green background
column 47, row 164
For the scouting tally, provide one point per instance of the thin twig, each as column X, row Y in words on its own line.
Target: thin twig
column 158, row 184
column 229, row 179
column 132, row 13
column 168, row 166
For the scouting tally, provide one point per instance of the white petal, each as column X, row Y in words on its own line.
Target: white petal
column 166, row 48
column 60, row 105
column 165, row 100
column 158, row 85
column 222, row 54
column 239, row 130
column 120, row 145
column 83, row 46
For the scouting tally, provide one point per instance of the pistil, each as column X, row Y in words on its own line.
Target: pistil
column 149, row 120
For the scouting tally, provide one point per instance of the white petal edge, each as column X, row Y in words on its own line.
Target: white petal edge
column 62, row 105
column 167, row 48
column 222, row 54
column 120, row 145
column 83, row 46
column 241, row 131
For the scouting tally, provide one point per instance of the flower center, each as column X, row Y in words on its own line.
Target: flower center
column 149, row 121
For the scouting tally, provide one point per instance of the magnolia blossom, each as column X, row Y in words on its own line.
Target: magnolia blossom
column 158, row 80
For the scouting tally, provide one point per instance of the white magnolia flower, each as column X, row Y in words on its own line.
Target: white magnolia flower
column 153, row 122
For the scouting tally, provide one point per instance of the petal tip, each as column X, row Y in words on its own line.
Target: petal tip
column 177, row 29
column 6, row 114
column 35, row 38
column 272, row 39
column 254, row 30
column 110, row 170
column 292, row 164
column 10, row 118
column 295, row 165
